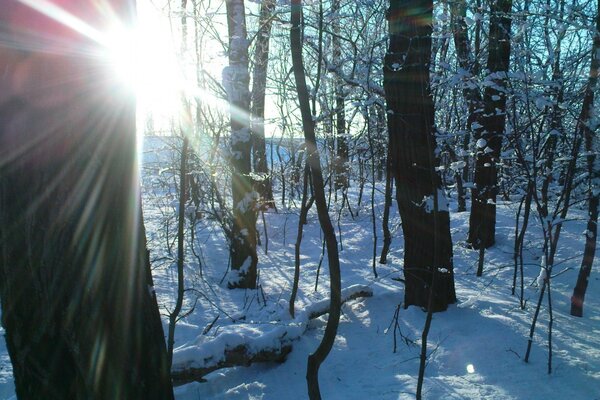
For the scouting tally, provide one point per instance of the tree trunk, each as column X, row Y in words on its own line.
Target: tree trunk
column 490, row 129
column 259, row 83
column 78, row 304
column 471, row 92
column 591, row 143
column 341, row 162
column 410, row 110
column 316, row 359
column 555, row 113
column 174, row 314
column 387, row 235
column 244, row 259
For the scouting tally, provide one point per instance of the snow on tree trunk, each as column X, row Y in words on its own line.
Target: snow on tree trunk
column 489, row 129
column 410, row 111
column 236, row 81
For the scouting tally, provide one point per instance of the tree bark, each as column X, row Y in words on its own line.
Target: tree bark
column 316, row 359
column 78, row 304
column 259, row 83
column 387, row 235
column 341, row 162
column 470, row 90
column 489, row 132
column 591, row 143
column 236, row 78
column 410, row 110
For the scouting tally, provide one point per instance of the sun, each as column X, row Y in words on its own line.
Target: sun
column 144, row 59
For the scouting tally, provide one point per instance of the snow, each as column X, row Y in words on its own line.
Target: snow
column 429, row 204
column 543, row 275
column 207, row 351
column 476, row 348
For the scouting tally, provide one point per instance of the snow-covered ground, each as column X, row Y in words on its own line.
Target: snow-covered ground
column 476, row 347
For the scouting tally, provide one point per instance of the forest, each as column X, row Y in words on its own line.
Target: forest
column 387, row 199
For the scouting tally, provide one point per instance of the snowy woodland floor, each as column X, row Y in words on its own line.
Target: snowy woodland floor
column 476, row 347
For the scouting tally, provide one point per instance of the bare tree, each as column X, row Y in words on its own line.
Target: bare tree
column 316, row 359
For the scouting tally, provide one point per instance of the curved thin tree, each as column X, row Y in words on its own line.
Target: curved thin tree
column 316, row 359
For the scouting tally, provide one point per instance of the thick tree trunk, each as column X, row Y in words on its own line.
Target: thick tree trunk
column 244, row 259
column 316, row 359
column 259, row 83
column 78, row 304
column 591, row 144
column 490, row 129
column 427, row 241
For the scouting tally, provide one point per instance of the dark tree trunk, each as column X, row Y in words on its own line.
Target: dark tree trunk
column 259, row 83
column 427, row 241
column 465, row 57
column 316, row 359
column 387, row 235
column 244, row 259
column 78, row 304
column 490, row 129
column 594, row 178
column 470, row 91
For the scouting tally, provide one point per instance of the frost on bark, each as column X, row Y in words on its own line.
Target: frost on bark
column 410, row 112
column 78, row 304
column 259, row 84
column 489, row 129
column 236, row 81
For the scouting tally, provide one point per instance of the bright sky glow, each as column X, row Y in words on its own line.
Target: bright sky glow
column 144, row 59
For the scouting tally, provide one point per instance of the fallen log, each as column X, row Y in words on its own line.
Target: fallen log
column 243, row 346
column 238, row 356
